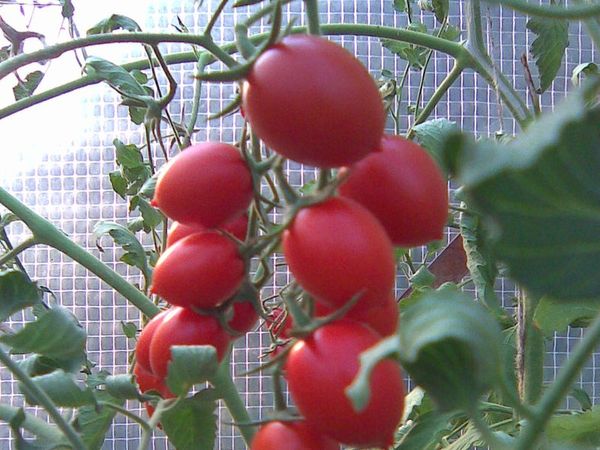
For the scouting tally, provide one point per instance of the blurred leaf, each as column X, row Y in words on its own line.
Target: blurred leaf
column 94, row 422
column 118, row 183
column 62, row 390
column 400, row 5
column 549, row 47
column 438, row 7
column 422, row 278
column 152, row 216
column 582, row 70
column 450, row 33
column 67, row 9
column 539, row 199
column 467, row 440
column 128, row 156
column 113, row 23
column 192, row 423
column 114, row 75
column 432, row 136
column 425, row 433
column 553, row 315
column 579, row 429
column 582, row 398
column 190, row 365
column 17, row 292
column 450, row 346
column 147, row 189
column 56, row 334
column 122, row 387
column 129, row 329
column 4, row 53
column 27, row 88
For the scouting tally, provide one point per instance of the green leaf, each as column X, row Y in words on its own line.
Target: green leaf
column 450, row 33
column 549, row 47
column 94, row 422
column 152, row 216
column 426, row 433
column 128, row 156
column 113, row 23
column 129, row 329
column 439, row 8
column 554, row 315
column 190, row 365
column 117, row 77
column 192, row 423
column 137, row 114
column 422, row 278
column 414, row 55
column 582, row 398
column 118, row 183
column 27, row 88
column 578, row 429
column 148, row 188
column 400, row 5
column 62, row 390
column 16, row 293
column 432, row 136
column 582, row 70
column 539, row 198
column 121, row 387
column 67, row 9
column 450, row 346
column 56, row 334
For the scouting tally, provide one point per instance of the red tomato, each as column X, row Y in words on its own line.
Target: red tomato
column 183, row 326
column 207, row 184
column 243, row 318
column 147, row 381
column 314, row 102
column 336, row 250
column 178, row 231
column 291, row 436
column 203, row 270
column 383, row 318
column 142, row 346
column 319, row 369
column 404, row 188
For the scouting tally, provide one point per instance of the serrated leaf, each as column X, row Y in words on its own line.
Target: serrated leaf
column 113, row 23
column 578, row 429
column 549, row 47
column 121, row 387
column 190, row 365
column 192, row 423
column 118, row 183
column 552, row 315
column 56, row 334
column 27, row 88
column 114, row 75
column 128, row 156
column 540, row 200
column 426, row 433
column 16, row 293
column 450, row 346
column 93, row 422
column 62, row 390
column 432, row 136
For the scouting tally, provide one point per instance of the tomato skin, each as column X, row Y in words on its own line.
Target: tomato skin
column 383, row 318
column 207, row 184
column 319, row 369
column 313, row 102
column 142, row 346
column 291, row 436
column 183, row 326
column 244, row 317
column 203, row 270
column 336, row 249
column 404, row 188
column 178, row 231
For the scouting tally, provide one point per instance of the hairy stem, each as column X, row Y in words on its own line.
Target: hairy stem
column 312, row 14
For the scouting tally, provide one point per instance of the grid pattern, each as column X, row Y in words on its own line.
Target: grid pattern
column 69, row 183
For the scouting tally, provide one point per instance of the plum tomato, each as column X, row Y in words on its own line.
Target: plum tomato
column 208, row 184
column 243, row 317
column 291, row 436
column 404, row 188
column 142, row 346
column 237, row 228
column 336, row 250
column 313, row 102
column 320, row 367
column 183, row 326
column 202, row 270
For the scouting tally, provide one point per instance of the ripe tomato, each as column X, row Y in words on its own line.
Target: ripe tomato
column 291, row 436
column 183, row 326
column 383, row 319
column 142, row 346
column 336, row 250
column 319, row 369
column 404, row 188
column 207, row 184
column 314, row 102
column 203, row 270
column 243, row 317
column 178, row 231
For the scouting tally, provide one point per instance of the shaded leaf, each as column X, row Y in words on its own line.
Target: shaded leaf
column 114, row 75
column 113, row 23
column 400, row 5
column 121, row 387
column 581, row 429
column 129, row 329
column 414, row 55
column 582, row 398
column 190, row 365
column 583, row 70
column 151, row 216
column 426, row 433
column 128, row 156
column 93, row 422
column 432, row 136
column 67, row 9
column 192, row 423
column 16, row 293
column 27, row 88
column 554, row 315
column 118, row 183
column 62, row 390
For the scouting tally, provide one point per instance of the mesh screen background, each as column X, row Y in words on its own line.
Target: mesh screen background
column 69, row 184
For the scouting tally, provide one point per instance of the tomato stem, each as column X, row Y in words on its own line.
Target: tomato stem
column 312, row 14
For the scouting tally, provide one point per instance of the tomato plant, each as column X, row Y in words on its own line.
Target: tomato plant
column 320, row 123
column 291, row 436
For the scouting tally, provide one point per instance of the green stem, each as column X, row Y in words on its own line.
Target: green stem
column 41, row 398
column 215, row 17
column 551, row 11
column 125, row 412
column 532, row 346
column 553, row 396
column 11, row 254
column 38, row 427
column 46, row 233
column 227, row 389
column 203, row 61
column 312, row 15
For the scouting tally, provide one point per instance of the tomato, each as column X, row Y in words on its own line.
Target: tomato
column 313, row 102
column 243, row 317
column 147, row 381
column 291, row 436
column 337, row 250
column 319, row 369
column 183, row 326
column 203, row 270
column 207, row 184
column 383, row 319
column 142, row 346
column 404, row 188
column 178, row 231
